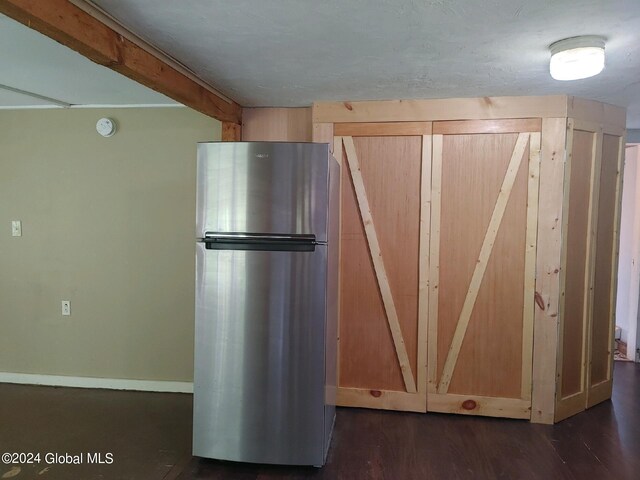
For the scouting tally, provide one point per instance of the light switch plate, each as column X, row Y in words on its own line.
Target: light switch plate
column 16, row 228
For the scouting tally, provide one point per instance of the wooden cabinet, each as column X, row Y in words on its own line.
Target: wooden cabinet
column 478, row 256
column 589, row 266
column 382, row 345
column 484, row 202
column 478, row 250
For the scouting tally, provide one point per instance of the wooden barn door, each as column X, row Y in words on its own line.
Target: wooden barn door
column 575, row 279
column 605, row 262
column 384, row 235
column 484, row 202
column 589, row 267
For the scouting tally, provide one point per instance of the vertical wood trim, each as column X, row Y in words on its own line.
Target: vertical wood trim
column 548, row 261
column 590, row 263
column 337, row 153
column 423, row 289
column 530, row 264
column 323, row 133
column 616, row 249
column 434, row 262
column 378, row 264
column 563, row 259
column 231, row 132
column 483, row 260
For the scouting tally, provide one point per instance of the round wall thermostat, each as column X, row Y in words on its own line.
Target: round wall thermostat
column 106, row 127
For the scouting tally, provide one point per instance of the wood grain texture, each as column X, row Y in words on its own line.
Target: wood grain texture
column 603, row 114
column 323, row 133
column 434, row 263
column 483, row 259
column 590, row 261
column 367, row 356
column 363, row 325
column 601, row 350
column 423, row 258
column 382, row 278
column 488, row 126
column 531, row 239
column 479, row 405
column 338, row 154
column 548, row 260
column 473, row 169
column 382, row 399
column 560, row 403
column 622, row 139
column 382, row 129
column 231, row 132
column 576, row 275
column 71, row 26
column 483, row 108
column 277, row 125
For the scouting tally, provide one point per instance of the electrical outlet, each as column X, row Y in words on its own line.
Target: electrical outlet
column 16, row 228
column 66, row 308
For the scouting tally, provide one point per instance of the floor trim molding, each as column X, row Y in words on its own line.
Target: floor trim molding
column 91, row 382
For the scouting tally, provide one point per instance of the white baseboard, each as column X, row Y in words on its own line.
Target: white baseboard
column 90, row 382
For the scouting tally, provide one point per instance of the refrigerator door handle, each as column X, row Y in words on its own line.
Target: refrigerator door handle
column 258, row 241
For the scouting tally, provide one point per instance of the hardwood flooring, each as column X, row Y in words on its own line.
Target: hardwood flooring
column 149, row 435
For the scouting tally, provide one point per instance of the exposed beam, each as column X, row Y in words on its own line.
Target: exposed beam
column 73, row 27
column 231, row 132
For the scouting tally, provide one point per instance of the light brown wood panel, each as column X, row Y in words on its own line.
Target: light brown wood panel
column 390, row 168
column 603, row 114
column 481, row 108
column 472, row 173
column 601, row 350
column 486, row 406
column 511, row 125
column 377, row 259
column 550, row 215
column 424, row 267
column 363, row 327
column 231, row 132
column 276, row 124
column 381, row 399
column 323, row 133
column 382, row 129
column 576, row 266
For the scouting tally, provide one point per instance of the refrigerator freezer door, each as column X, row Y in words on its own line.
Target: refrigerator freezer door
column 259, row 355
column 263, row 187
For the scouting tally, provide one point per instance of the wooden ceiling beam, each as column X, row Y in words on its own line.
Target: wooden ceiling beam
column 73, row 27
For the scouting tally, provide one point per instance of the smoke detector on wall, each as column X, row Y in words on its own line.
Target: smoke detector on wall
column 106, row 127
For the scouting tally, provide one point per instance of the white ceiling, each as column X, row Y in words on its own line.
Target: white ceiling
column 293, row 52
column 35, row 63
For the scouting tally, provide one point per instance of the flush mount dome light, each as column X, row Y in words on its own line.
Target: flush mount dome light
column 577, row 57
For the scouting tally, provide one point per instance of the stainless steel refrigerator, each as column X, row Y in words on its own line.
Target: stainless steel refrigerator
column 266, row 302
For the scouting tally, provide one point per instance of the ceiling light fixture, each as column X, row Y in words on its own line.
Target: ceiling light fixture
column 577, row 57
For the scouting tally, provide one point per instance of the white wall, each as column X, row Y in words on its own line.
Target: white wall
column 629, row 270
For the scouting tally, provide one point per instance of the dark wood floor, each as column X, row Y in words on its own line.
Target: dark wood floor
column 149, row 436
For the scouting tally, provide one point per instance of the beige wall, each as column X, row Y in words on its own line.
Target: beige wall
column 108, row 223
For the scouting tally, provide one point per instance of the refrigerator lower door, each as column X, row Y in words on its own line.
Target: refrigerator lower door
column 259, row 355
